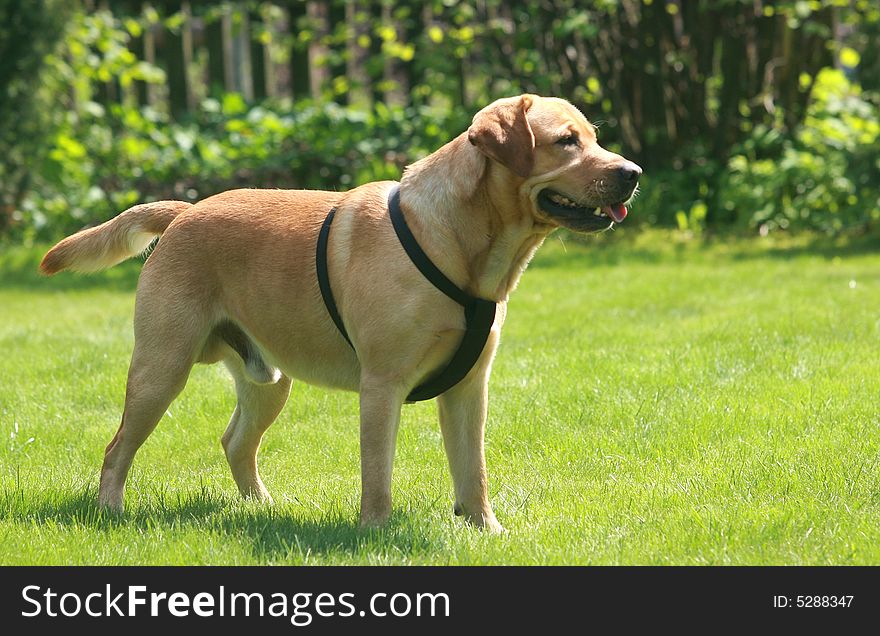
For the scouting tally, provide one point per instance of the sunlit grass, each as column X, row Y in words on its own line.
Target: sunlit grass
column 652, row 403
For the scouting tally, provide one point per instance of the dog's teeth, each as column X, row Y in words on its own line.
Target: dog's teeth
column 563, row 200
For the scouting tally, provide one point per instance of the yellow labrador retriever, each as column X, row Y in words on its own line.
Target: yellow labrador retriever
column 235, row 279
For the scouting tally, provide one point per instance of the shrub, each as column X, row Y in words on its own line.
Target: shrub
column 91, row 157
column 824, row 178
column 103, row 159
column 129, row 155
column 28, row 32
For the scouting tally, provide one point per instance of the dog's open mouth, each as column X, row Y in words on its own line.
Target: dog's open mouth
column 577, row 216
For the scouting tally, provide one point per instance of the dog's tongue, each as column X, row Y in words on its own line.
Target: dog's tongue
column 616, row 212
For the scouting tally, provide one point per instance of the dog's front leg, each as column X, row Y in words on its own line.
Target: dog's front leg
column 380, row 417
column 463, row 411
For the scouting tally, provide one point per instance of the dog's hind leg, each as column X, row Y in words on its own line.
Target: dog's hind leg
column 160, row 366
column 172, row 322
column 258, row 406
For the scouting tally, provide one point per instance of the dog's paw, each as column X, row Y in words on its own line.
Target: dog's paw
column 371, row 522
column 484, row 520
column 493, row 527
column 374, row 516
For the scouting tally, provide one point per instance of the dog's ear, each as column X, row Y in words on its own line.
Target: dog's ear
column 501, row 131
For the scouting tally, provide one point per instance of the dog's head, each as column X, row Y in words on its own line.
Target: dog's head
column 550, row 146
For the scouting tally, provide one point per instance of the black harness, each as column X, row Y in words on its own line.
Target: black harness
column 479, row 313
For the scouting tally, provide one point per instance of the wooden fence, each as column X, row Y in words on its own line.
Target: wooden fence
column 260, row 50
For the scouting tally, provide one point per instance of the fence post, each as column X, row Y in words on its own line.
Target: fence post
column 150, row 58
column 354, row 68
column 299, row 59
column 226, row 38
column 216, row 63
column 171, row 45
column 257, row 68
column 243, row 66
column 187, row 51
column 318, row 71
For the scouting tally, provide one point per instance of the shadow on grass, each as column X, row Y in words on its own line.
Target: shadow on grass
column 827, row 248
column 272, row 532
column 644, row 246
column 278, row 535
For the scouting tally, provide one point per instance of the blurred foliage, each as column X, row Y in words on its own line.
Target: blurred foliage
column 825, row 177
column 135, row 152
column 746, row 114
column 28, row 31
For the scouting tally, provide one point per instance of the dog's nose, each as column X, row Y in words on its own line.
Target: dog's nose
column 629, row 172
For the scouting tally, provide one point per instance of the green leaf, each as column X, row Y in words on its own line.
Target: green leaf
column 435, row 34
column 233, row 104
column 682, row 220
column 387, row 33
column 72, row 148
column 133, row 27
column 849, row 57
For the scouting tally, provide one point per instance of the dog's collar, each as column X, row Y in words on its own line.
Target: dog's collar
column 479, row 313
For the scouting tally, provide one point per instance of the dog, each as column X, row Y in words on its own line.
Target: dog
column 234, row 279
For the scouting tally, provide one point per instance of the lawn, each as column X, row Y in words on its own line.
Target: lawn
column 654, row 401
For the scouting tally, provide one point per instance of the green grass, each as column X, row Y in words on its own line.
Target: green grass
column 653, row 402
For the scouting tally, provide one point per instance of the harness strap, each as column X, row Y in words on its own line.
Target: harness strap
column 418, row 256
column 324, row 276
column 479, row 313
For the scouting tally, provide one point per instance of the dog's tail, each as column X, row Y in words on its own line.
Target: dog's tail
column 112, row 242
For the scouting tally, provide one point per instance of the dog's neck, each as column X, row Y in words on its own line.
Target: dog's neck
column 486, row 247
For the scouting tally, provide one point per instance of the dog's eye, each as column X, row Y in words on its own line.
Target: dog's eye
column 570, row 140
